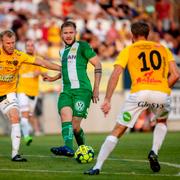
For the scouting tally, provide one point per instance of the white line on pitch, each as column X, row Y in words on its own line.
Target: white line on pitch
column 110, row 159
column 80, row 172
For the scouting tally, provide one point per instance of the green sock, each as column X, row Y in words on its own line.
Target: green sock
column 67, row 133
column 80, row 139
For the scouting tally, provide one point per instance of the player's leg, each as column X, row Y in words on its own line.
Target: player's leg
column 81, row 103
column 161, row 113
column 127, row 118
column 9, row 106
column 65, row 109
column 32, row 118
column 159, row 134
column 24, row 117
column 78, row 131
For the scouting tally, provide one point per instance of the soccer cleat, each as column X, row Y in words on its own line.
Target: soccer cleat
column 92, row 171
column 62, row 151
column 18, row 158
column 28, row 140
column 153, row 160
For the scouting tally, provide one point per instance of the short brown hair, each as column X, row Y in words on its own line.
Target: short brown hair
column 8, row 33
column 140, row 29
column 68, row 24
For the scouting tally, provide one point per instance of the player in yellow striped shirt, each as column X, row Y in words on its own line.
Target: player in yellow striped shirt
column 27, row 91
column 153, row 72
column 10, row 62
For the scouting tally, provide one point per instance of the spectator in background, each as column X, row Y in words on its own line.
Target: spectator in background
column 164, row 13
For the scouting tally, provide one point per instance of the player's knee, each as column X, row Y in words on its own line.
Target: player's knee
column 14, row 118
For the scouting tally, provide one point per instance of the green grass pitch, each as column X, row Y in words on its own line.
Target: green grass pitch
column 127, row 162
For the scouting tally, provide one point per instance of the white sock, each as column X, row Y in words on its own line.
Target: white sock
column 158, row 136
column 15, row 138
column 106, row 148
column 25, row 126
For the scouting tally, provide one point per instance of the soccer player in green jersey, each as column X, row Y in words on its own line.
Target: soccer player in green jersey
column 76, row 94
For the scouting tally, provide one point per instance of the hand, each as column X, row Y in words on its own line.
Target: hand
column 47, row 78
column 105, row 107
column 95, row 97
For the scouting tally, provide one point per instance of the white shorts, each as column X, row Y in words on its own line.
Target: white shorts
column 9, row 102
column 26, row 103
column 157, row 102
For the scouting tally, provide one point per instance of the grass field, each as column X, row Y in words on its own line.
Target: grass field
column 128, row 161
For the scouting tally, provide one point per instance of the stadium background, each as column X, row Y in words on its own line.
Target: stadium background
column 105, row 25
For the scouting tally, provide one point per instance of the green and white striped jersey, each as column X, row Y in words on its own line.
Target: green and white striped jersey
column 74, row 60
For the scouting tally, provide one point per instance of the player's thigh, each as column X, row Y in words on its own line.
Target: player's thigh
column 130, row 111
column 160, row 106
column 9, row 106
column 32, row 105
column 23, row 101
column 65, row 100
column 81, row 103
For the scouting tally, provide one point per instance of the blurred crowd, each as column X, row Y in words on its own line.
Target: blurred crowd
column 103, row 23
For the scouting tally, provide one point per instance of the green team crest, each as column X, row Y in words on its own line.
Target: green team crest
column 126, row 116
column 79, row 105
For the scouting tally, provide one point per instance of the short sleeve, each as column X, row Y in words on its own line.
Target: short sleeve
column 122, row 58
column 88, row 50
column 27, row 58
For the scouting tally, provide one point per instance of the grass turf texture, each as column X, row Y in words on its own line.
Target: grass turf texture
column 128, row 160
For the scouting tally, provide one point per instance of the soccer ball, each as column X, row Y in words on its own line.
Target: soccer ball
column 84, row 154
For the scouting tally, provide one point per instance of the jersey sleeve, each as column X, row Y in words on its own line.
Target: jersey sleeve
column 27, row 58
column 122, row 58
column 169, row 55
column 88, row 50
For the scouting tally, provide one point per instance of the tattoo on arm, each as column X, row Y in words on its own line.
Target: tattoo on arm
column 98, row 71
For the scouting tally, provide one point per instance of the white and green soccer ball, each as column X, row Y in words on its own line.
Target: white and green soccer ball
column 84, row 154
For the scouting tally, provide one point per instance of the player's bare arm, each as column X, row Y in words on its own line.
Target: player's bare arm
column 51, row 78
column 97, row 77
column 112, row 83
column 174, row 73
column 47, row 64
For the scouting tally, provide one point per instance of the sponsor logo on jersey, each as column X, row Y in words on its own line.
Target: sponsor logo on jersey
column 14, row 62
column 71, row 57
column 147, row 79
column 126, row 116
column 79, row 106
column 7, row 78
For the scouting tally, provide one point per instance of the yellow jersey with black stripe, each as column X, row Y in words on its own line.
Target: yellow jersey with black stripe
column 9, row 69
column 147, row 63
column 28, row 82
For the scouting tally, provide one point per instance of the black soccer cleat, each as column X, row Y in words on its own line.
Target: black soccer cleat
column 153, row 160
column 92, row 171
column 18, row 158
column 62, row 151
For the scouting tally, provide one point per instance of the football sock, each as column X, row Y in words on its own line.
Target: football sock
column 15, row 138
column 67, row 133
column 25, row 126
column 106, row 148
column 79, row 136
column 158, row 136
